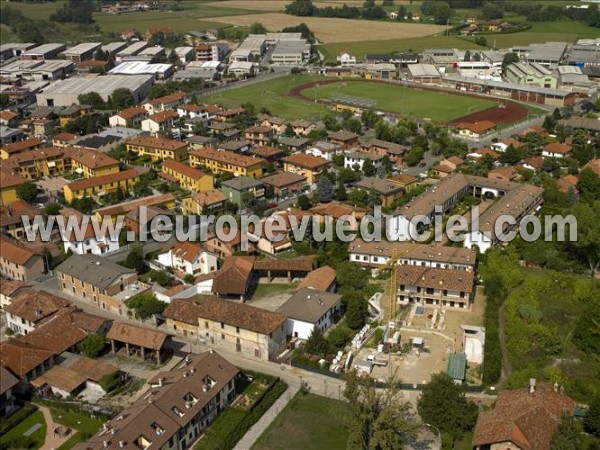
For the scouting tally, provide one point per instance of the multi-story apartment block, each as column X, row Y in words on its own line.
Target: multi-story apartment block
column 100, row 186
column 157, row 148
column 447, row 288
column 259, row 135
column 187, row 177
column 223, row 161
column 177, row 409
column 308, row 166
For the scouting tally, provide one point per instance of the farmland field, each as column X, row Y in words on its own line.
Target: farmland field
column 437, row 106
column 179, row 21
column 338, row 30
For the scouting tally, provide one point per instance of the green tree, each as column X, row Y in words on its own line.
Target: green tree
column 111, row 381
column 587, row 330
column 509, row 58
column 589, row 185
column 444, row 405
column 27, row 191
column 145, row 305
column 122, row 98
column 304, row 202
column 342, row 195
column 257, row 28
column 592, row 418
column 135, row 258
column 52, row 209
column 4, row 100
column 369, row 118
column 351, row 276
column 587, row 244
column 92, row 99
column 189, row 278
column 316, row 343
column 324, row 189
column 92, row 345
column 368, row 168
column 356, row 311
column 567, row 435
column 379, row 419
column 83, row 205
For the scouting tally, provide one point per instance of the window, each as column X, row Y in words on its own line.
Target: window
column 222, row 326
column 222, row 336
column 237, row 330
column 205, row 324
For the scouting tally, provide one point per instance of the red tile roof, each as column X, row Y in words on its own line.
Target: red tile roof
column 183, row 169
column 14, row 251
column 21, row 358
column 163, row 116
column 154, row 142
column 172, row 98
column 306, row 161
column 22, row 145
column 477, row 127
column 143, row 337
column 226, row 156
column 129, row 113
column 98, row 181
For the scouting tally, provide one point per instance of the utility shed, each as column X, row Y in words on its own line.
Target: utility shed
column 457, row 367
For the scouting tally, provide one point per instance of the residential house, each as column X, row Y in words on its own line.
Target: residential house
column 345, row 139
column 277, row 124
column 8, row 118
column 9, row 289
column 18, row 262
column 302, row 127
column 356, row 160
column 20, row 147
column 229, row 247
column 112, row 212
column 556, row 150
column 321, row 279
column 447, row 166
column 293, row 144
column 308, row 166
column 28, row 309
column 379, row 254
column 187, row 177
column 12, row 218
column 235, row 279
column 503, row 145
column 99, row 281
column 533, row 163
column 157, row 148
column 505, row 173
column 446, row 288
column 204, row 203
column 407, row 182
column 481, row 153
column 281, row 225
column 326, row 150
column 308, row 309
column 383, row 148
column 335, row 210
column 387, row 191
column 476, row 130
column 236, row 146
column 72, row 112
column 9, row 181
column 164, row 103
column 160, row 122
column 89, row 241
column 223, row 161
column 269, row 154
column 250, row 331
column 129, row 117
column 91, row 163
column 259, row 135
column 523, row 419
column 100, row 186
column 177, row 409
column 63, row 139
column 189, row 258
column 285, row 184
column 239, row 190
column 25, row 361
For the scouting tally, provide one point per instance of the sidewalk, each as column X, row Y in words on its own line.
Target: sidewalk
column 259, row 427
column 52, row 440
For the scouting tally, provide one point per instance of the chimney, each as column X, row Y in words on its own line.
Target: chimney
column 121, row 444
column 532, row 386
column 160, row 382
column 105, row 444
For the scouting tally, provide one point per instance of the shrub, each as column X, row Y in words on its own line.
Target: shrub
column 15, row 419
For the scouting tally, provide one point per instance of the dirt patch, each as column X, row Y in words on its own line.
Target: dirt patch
column 508, row 112
column 329, row 30
column 505, row 112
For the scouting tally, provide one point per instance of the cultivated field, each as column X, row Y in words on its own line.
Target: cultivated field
column 437, row 106
column 279, row 5
column 337, row 30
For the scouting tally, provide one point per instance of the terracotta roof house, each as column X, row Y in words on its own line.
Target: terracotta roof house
column 28, row 309
column 285, row 184
column 8, row 383
column 306, row 165
column 475, row 130
column 321, row 279
column 207, row 202
column 556, row 150
column 25, row 361
column 254, row 332
column 594, row 166
column 523, row 419
column 235, row 278
column 19, row 262
column 344, row 138
column 506, row 173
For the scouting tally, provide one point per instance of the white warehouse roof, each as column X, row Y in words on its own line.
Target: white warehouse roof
column 139, row 68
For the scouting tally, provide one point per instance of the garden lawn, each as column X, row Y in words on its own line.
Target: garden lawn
column 269, row 289
column 272, row 95
column 307, row 422
column 84, row 426
column 438, row 106
column 39, row 436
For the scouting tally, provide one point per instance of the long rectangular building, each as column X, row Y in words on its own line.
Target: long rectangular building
column 223, row 161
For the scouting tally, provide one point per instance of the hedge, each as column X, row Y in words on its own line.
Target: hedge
column 231, row 426
column 19, row 416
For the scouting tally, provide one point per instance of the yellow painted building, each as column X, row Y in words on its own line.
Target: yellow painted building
column 158, row 148
column 187, row 177
column 91, row 164
column 164, row 201
column 100, row 186
column 223, row 161
column 8, row 186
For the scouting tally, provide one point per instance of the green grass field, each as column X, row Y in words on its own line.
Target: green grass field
column 37, row 438
column 35, row 10
column 439, row 107
column 272, row 95
column 301, row 425
column 82, row 423
column 179, row 21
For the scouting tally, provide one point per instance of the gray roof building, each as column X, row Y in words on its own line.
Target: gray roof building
column 93, row 269
column 309, row 305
